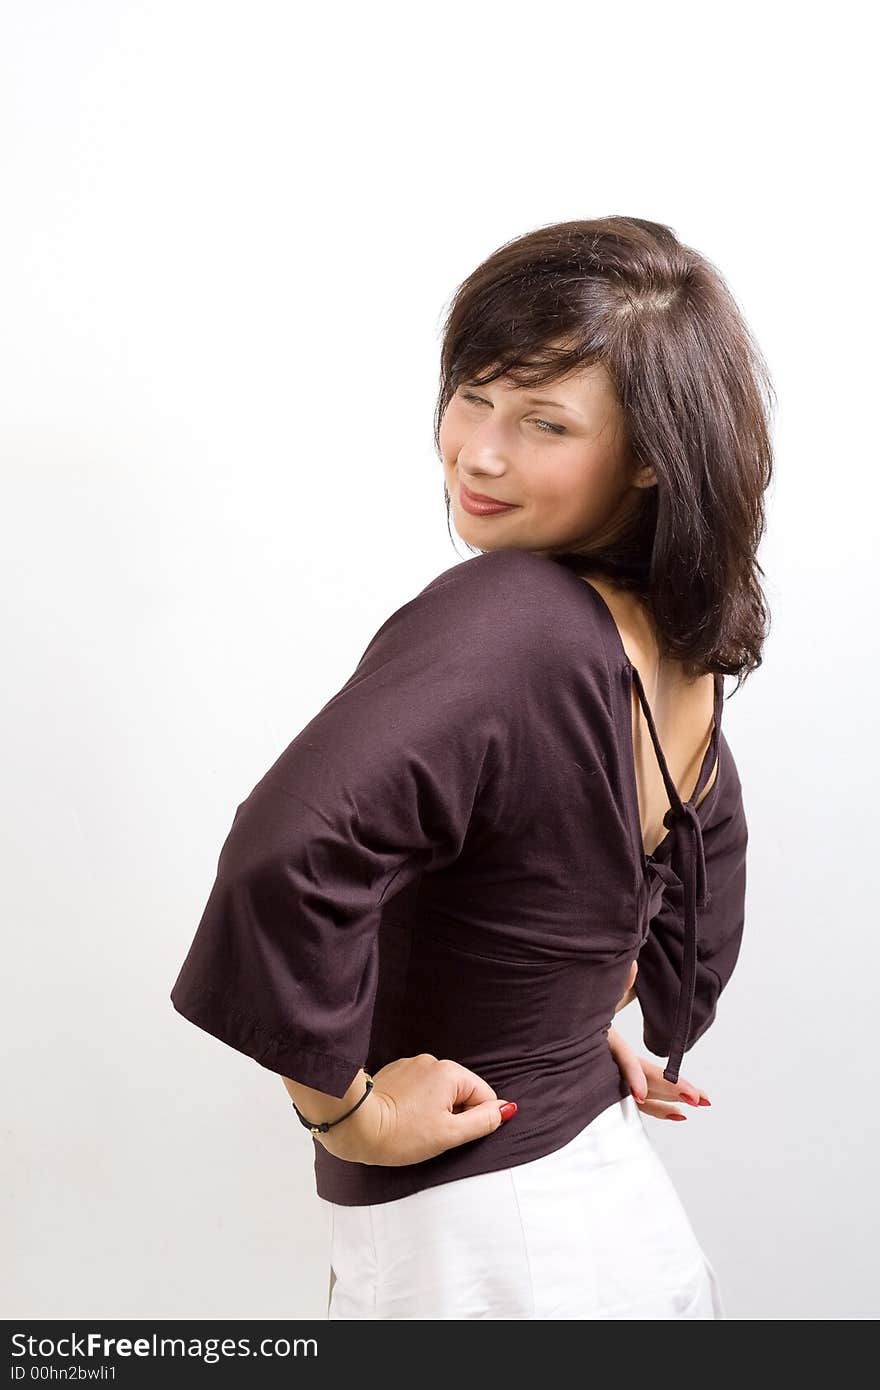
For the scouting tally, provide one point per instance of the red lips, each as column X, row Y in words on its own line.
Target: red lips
column 481, row 497
column 478, row 504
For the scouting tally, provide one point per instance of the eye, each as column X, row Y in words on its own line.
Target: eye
column 544, row 426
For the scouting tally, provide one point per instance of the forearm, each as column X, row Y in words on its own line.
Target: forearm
column 318, row 1106
column 353, row 1139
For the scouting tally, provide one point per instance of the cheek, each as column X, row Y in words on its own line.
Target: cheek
column 449, row 438
column 580, row 490
column 563, row 481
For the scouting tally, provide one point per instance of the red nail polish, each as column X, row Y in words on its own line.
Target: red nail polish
column 673, row 1116
column 688, row 1100
column 704, row 1100
column 508, row 1110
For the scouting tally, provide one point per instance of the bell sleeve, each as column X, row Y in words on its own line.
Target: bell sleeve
column 378, row 788
column 720, row 928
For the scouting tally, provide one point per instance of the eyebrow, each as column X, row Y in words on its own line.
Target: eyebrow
column 542, row 400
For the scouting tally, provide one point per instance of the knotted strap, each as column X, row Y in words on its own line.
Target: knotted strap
column 687, row 858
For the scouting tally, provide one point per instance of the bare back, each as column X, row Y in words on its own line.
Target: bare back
column 682, row 709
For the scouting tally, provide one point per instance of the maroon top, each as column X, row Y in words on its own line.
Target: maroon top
column 449, row 859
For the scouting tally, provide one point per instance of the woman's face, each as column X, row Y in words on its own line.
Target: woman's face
column 563, row 466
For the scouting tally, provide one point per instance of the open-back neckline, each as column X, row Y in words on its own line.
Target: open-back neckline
column 684, row 820
column 676, row 800
column 712, row 754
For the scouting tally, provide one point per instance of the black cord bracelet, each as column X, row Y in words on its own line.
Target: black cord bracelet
column 328, row 1124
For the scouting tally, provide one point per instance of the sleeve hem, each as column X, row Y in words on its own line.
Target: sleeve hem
column 207, row 1009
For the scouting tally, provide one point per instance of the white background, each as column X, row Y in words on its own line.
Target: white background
column 229, row 235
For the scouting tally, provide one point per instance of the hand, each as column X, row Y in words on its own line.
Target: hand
column 419, row 1107
column 650, row 1089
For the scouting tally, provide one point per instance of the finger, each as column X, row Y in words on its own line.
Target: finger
column 661, row 1089
column 468, row 1088
column 661, row 1111
column 631, row 1070
column 682, row 1089
column 475, row 1122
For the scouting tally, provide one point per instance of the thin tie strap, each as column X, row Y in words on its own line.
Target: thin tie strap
column 689, row 861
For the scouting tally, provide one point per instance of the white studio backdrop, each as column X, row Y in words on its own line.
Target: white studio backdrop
column 229, row 236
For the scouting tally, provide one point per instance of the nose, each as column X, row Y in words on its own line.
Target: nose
column 481, row 463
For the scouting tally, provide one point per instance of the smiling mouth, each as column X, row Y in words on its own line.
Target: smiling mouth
column 479, row 505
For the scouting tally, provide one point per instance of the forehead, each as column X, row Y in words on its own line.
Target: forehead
column 578, row 387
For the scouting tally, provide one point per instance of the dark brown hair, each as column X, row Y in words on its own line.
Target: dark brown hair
column 696, row 398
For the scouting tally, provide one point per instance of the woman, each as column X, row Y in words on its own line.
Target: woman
column 520, row 811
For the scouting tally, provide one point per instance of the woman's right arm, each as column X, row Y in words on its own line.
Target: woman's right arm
column 378, row 788
column 318, row 1106
column 419, row 1107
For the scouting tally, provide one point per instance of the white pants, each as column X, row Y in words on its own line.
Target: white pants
column 595, row 1229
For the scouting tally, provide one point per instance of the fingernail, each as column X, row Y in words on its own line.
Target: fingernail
column 690, row 1100
column 704, row 1100
column 673, row 1116
column 635, row 1094
column 508, row 1109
